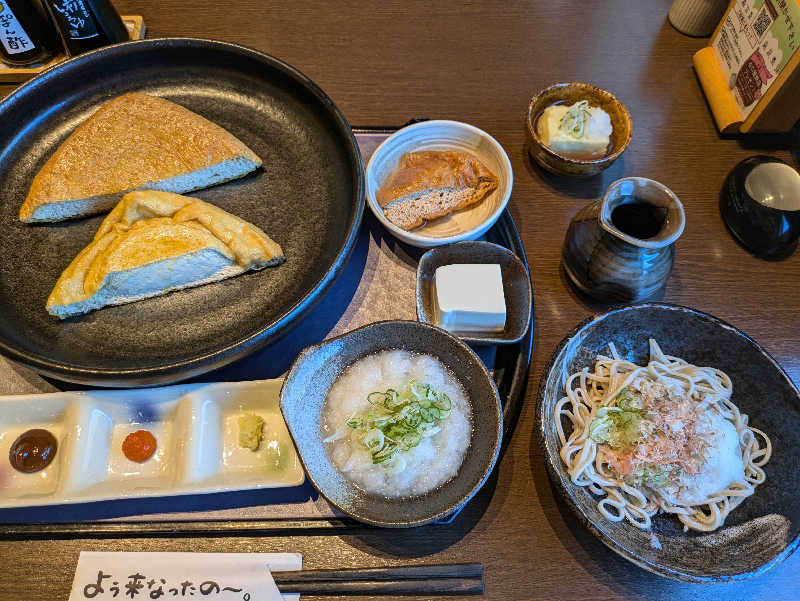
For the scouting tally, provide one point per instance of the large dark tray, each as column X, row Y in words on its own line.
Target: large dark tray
column 226, row 514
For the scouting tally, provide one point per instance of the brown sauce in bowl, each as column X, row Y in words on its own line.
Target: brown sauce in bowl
column 33, row 450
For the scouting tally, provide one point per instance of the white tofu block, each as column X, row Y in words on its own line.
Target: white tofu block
column 595, row 138
column 469, row 298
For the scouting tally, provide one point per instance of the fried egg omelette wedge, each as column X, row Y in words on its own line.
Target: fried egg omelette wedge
column 134, row 142
column 155, row 242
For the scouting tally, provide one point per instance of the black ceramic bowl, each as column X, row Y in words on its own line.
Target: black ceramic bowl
column 760, row 204
column 314, row 372
column 765, row 528
column 516, row 287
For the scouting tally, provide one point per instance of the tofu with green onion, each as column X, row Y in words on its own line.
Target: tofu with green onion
column 579, row 131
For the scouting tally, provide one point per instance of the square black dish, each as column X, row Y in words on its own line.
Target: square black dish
column 765, row 528
column 516, row 287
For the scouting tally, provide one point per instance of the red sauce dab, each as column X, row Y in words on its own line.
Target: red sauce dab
column 139, row 446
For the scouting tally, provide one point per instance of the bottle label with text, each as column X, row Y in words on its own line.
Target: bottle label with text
column 79, row 21
column 12, row 35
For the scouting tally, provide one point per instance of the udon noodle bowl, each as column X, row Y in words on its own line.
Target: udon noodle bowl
column 397, row 423
column 665, row 436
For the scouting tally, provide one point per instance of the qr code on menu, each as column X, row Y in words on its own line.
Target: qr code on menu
column 762, row 22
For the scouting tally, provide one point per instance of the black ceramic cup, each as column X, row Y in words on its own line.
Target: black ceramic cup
column 760, row 204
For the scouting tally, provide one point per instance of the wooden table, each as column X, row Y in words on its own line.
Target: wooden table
column 480, row 63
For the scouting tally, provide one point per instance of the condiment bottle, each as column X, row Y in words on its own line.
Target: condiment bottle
column 26, row 34
column 87, row 24
column 620, row 249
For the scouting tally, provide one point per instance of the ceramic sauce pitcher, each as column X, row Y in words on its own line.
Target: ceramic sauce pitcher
column 621, row 248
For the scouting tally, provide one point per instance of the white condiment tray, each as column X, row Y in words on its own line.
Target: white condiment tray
column 195, row 426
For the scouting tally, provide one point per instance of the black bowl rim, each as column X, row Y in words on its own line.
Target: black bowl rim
column 180, row 370
column 309, row 350
column 489, row 339
column 555, row 472
column 742, row 231
column 738, row 175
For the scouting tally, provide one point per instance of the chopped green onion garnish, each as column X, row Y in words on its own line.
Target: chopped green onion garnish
column 575, row 120
column 398, row 421
column 629, row 399
column 622, row 425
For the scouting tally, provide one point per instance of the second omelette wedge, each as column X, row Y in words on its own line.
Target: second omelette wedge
column 155, row 242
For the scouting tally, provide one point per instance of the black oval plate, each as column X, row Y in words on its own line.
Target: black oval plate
column 760, row 532
column 308, row 197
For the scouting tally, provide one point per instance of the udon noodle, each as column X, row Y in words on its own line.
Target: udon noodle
column 661, row 437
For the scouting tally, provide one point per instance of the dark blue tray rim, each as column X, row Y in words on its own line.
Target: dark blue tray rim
column 512, row 366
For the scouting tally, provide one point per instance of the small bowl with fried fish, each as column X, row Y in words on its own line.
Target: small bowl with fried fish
column 438, row 182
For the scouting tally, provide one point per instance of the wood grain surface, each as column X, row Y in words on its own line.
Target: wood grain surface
column 480, row 62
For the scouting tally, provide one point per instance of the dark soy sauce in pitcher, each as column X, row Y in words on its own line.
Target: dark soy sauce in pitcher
column 638, row 218
column 620, row 249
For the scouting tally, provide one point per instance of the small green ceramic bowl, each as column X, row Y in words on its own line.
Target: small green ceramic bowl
column 570, row 93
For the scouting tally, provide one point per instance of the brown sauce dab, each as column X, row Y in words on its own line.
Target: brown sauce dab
column 33, row 450
column 139, row 446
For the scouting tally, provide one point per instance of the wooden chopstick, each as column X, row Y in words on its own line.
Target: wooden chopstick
column 446, row 570
column 436, row 586
column 442, row 579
